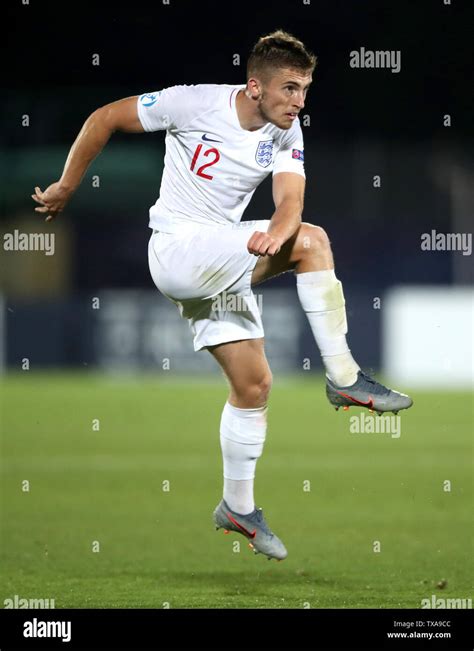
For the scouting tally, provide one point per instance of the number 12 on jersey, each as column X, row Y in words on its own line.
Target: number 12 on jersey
column 197, row 153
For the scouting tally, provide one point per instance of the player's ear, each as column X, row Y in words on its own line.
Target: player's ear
column 253, row 89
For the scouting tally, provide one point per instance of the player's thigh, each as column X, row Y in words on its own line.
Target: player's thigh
column 245, row 366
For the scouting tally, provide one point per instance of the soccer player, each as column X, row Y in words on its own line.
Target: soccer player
column 221, row 142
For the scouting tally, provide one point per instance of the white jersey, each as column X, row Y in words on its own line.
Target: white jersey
column 212, row 165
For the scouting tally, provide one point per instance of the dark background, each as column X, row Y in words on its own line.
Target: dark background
column 364, row 122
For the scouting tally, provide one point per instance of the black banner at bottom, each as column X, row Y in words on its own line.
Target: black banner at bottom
column 235, row 629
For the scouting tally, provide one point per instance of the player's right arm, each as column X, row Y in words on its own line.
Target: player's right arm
column 121, row 115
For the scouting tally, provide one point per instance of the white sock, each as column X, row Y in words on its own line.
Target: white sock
column 238, row 493
column 322, row 299
column 242, row 435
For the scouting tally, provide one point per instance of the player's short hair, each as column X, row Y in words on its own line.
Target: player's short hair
column 279, row 50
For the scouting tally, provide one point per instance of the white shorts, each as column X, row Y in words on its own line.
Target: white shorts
column 206, row 271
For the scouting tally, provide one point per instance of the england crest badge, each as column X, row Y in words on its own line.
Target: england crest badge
column 264, row 153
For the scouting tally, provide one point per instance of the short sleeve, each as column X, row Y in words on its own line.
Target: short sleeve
column 165, row 109
column 290, row 155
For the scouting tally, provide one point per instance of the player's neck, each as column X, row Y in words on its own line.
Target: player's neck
column 248, row 113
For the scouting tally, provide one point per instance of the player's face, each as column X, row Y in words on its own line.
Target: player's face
column 283, row 96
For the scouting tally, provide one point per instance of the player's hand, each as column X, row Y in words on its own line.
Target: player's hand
column 263, row 244
column 52, row 200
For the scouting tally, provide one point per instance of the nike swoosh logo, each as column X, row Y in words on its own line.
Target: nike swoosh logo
column 369, row 404
column 249, row 534
column 204, row 137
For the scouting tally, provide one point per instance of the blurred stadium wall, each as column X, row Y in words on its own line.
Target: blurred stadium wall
column 412, row 131
column 92, row 304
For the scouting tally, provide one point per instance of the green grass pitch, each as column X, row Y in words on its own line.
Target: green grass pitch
column 327, row 492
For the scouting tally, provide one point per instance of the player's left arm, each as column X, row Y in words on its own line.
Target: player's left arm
column 288, row 196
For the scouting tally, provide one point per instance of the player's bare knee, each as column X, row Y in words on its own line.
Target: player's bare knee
column 255, row 393
column 313, row 240
column 265, row 386
column 259, row 391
